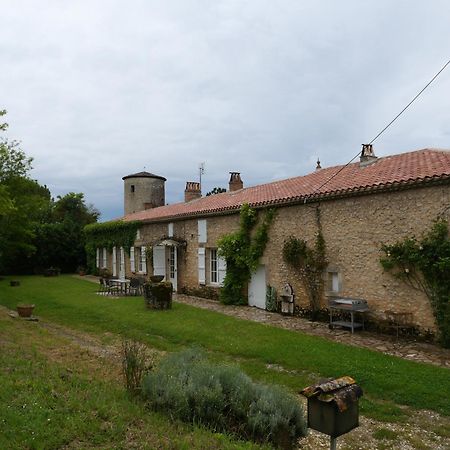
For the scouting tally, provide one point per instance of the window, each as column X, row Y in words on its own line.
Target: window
column 214, row 273
column 132, row 188
column 170, row 230
column 138, row 234
column 217, row 267
column 172, row 251
column 142, row 260
column 332, row 282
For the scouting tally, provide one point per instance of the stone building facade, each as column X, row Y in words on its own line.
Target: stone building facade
column 376, row 201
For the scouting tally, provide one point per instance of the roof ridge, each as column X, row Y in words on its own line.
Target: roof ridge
column 408, row 168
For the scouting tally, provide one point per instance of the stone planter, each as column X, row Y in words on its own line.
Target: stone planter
column 158, row 295
column 25, row 310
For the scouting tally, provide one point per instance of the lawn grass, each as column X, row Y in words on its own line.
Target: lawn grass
column 54, row 395
column 386, row 380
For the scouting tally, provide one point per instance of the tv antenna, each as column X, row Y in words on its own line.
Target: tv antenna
column 201, row 171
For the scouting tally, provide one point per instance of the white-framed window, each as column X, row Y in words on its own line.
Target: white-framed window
column 104, row 259
column 217, row 267
column 170, row 229
column 143, row 260
column 172, row 262
column 202, row 234
column 333, row 282
column 213, row 266
column 138, row 234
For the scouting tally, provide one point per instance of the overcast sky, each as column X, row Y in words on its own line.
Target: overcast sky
column 96, row 90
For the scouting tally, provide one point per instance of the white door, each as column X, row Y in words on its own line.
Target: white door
column 257, row 288
column 159, row 260
column 173, row 266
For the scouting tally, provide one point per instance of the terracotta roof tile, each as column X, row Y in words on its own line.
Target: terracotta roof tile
column 418, row 166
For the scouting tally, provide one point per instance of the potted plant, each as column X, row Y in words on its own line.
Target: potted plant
column 24, row 310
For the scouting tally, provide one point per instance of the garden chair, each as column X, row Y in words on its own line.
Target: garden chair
column 103, row 290
column 135, row 287
column 112, row 288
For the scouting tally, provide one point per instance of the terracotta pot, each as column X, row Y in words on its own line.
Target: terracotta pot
column 25, row 310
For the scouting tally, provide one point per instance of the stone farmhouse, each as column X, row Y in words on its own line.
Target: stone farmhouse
column 363, row 205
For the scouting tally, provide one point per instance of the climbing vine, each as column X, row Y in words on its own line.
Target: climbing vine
column 309, row 264
column 109, row 235
column 242, row 252
column 425, row 265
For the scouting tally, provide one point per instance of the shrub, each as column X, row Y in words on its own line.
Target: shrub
column 136, row 361
column 425, row 265
column 189, row 387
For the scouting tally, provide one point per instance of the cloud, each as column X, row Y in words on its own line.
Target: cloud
column 96, row 90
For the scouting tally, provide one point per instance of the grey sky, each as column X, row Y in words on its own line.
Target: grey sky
column 96, row 90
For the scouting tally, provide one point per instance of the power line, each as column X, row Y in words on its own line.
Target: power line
column 408, row 105
column 384, row 129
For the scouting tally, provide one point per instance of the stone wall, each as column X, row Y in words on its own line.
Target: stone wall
column 148, row 193
column 354, row 229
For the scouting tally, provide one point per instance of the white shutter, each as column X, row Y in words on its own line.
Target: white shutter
column 122, row 263
column 132, row 263
column 97, row 258
column 222, row 268
column 159, row 260
column 114, row 262
column 104, row 264
column 144, row 259
column 202, row 235
column 201, row 266
column 170, row 230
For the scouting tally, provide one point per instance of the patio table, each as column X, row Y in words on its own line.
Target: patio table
column 122, row 283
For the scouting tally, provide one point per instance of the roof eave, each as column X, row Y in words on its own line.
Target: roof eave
column 291, row 201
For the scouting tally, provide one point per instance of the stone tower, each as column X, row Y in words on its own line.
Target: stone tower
column 143, row 190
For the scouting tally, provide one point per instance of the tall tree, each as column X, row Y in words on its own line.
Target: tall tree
column 22, row 203
column 37, row 232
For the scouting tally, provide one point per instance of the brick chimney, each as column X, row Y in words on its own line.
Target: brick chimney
column 192, row 191
column 235, row 181
column 367, row 155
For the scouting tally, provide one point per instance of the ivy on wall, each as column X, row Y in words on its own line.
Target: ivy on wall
column 425, row 265
column 309, row 263
column 242, row 252
column 109, row 235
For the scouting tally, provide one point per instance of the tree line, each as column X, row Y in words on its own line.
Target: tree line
column 37, row 231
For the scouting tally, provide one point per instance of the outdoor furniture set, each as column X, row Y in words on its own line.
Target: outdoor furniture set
column 121, row 286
